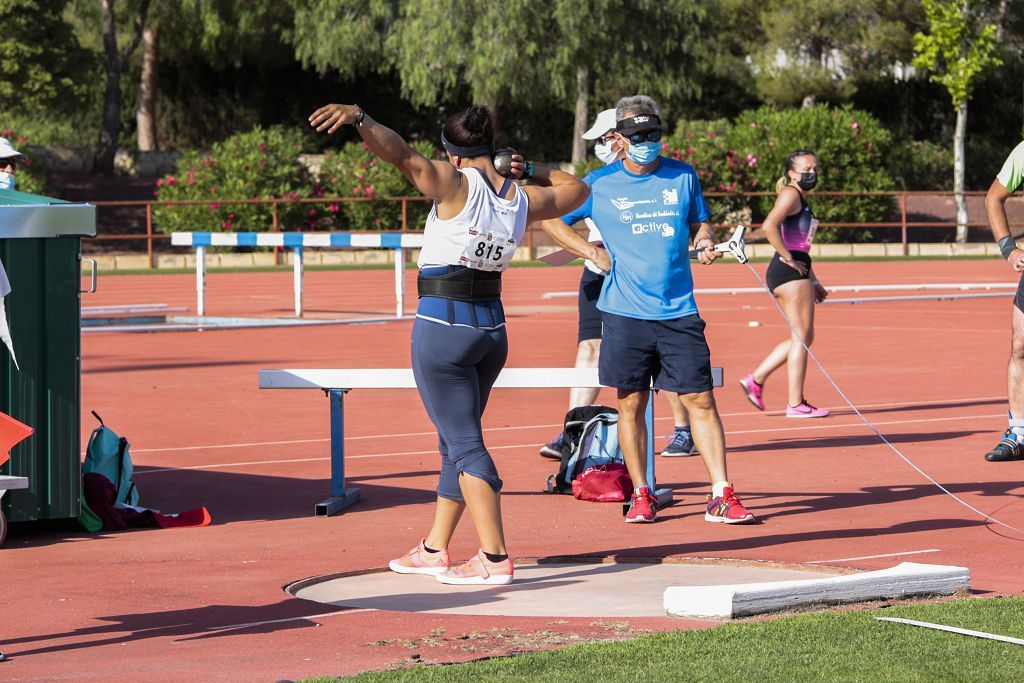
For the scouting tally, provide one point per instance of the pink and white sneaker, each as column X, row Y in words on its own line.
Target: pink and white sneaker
column 805, row 409
column 479, row 571
column 419, row 561
column 753, row 390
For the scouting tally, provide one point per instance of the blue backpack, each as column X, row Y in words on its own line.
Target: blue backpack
column 107, row 454
column 593, row 433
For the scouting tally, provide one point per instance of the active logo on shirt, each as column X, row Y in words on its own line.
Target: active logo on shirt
column 665, row 229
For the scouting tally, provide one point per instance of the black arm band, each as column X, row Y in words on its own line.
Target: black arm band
column 1007, row 245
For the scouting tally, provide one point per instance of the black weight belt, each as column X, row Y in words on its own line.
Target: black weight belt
column 462, row 285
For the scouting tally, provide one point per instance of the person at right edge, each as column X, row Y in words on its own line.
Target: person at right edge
column 1011, row 446
column 645, row 206
column 790, row 228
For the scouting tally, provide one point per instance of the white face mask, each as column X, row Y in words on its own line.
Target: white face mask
column 606, row 152
column 7, row 181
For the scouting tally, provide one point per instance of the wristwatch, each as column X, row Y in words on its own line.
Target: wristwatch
column 359, row 117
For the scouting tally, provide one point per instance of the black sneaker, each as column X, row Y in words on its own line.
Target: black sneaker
column 1007, row 449
column 680, row 445
column 554, row 449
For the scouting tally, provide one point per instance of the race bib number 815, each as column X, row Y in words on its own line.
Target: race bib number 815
column 488, row 251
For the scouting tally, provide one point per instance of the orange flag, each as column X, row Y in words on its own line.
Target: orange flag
column 12, row 432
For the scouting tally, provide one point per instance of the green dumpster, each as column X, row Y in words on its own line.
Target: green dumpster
column 40, row 247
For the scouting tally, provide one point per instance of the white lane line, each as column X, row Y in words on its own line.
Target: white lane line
column 873, row 557
column 534, row 444
column 954, row 629
column 311, row 617
column 522, row 427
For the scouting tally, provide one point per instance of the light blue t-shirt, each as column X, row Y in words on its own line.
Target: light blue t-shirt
column 645, row 224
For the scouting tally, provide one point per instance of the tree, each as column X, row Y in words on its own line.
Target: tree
column 115, row 61
column 959, row 48
column 33, row 75
column 347, row 36
column 821, row 49
column 561, row 53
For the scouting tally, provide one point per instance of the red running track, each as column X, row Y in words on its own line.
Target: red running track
column 931, row 375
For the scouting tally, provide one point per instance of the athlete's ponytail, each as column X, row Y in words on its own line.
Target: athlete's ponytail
column 784, row 181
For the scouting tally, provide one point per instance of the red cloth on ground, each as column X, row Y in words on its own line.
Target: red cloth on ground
column 101, row 495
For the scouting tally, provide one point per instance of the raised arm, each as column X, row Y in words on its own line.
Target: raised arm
column 440, row 181
column 554, row 193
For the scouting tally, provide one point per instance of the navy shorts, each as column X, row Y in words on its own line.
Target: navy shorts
column 672, row 353
column 590, row 317
column 1018, row 300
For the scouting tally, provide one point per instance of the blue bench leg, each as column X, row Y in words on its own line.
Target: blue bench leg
column 341, row 497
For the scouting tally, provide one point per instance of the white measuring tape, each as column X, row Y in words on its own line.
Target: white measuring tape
column 868, row 422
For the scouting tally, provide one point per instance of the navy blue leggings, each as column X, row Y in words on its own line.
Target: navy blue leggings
column 455, row 368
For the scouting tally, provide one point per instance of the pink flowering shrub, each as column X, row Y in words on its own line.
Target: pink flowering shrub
column 354, row 172
column 259, row 164
column 853, row 151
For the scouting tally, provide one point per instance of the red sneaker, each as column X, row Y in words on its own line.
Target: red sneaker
column 727, row 509
column 643, row 507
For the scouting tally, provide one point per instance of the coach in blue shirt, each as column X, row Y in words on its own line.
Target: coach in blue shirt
column 646, row 206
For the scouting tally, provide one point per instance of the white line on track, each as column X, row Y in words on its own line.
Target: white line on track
column 537, row 426
column 311, row 617
column 534, row 444
column 872, row 557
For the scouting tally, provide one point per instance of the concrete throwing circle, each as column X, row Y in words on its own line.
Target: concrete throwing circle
column 572, row 588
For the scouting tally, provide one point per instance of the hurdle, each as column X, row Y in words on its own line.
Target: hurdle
column 336, row 383
column 297, row 242
column 8, row 483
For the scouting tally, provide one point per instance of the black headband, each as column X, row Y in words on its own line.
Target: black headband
column 467, row 152
column 635, row 124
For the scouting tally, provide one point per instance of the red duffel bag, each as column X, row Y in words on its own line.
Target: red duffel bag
column 603, row 484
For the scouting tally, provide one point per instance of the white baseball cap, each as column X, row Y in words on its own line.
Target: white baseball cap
column 604, row 122
column 7, row 149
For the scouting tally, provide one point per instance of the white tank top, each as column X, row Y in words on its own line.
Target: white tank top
column 484, row 235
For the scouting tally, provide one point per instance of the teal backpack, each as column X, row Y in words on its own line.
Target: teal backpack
column 108, row 455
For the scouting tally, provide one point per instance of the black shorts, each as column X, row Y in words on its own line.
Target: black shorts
column 672, row 353
column 779, row 273
column 1018, row 300
column 590, row 317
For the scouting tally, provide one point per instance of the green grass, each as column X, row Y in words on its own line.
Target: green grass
column 518, row 264
column 824, row 646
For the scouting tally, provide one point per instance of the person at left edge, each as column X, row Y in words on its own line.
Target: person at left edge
column 10, row 158
column 459, row 342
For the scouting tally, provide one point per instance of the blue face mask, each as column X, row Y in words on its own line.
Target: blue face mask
column 644, row 152
column 7, row 181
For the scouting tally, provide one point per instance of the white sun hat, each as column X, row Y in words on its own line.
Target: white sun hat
column 604, row 122
column 7, row 149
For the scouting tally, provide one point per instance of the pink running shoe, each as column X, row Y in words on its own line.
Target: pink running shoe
column 643, row 507
column 479, row 571
column 727, row 509
column 753, row 390
column 805, row 409
column 419, row 561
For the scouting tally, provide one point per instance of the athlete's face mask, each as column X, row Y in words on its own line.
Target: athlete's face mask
column 606, row 150
column 807, row 181
column 643, row 152
column 7, row 181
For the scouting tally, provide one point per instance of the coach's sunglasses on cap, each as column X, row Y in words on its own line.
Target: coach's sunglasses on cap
column 644, row 136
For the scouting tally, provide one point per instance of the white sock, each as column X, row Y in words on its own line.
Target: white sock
column 1017, row 427
column 718, row 488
